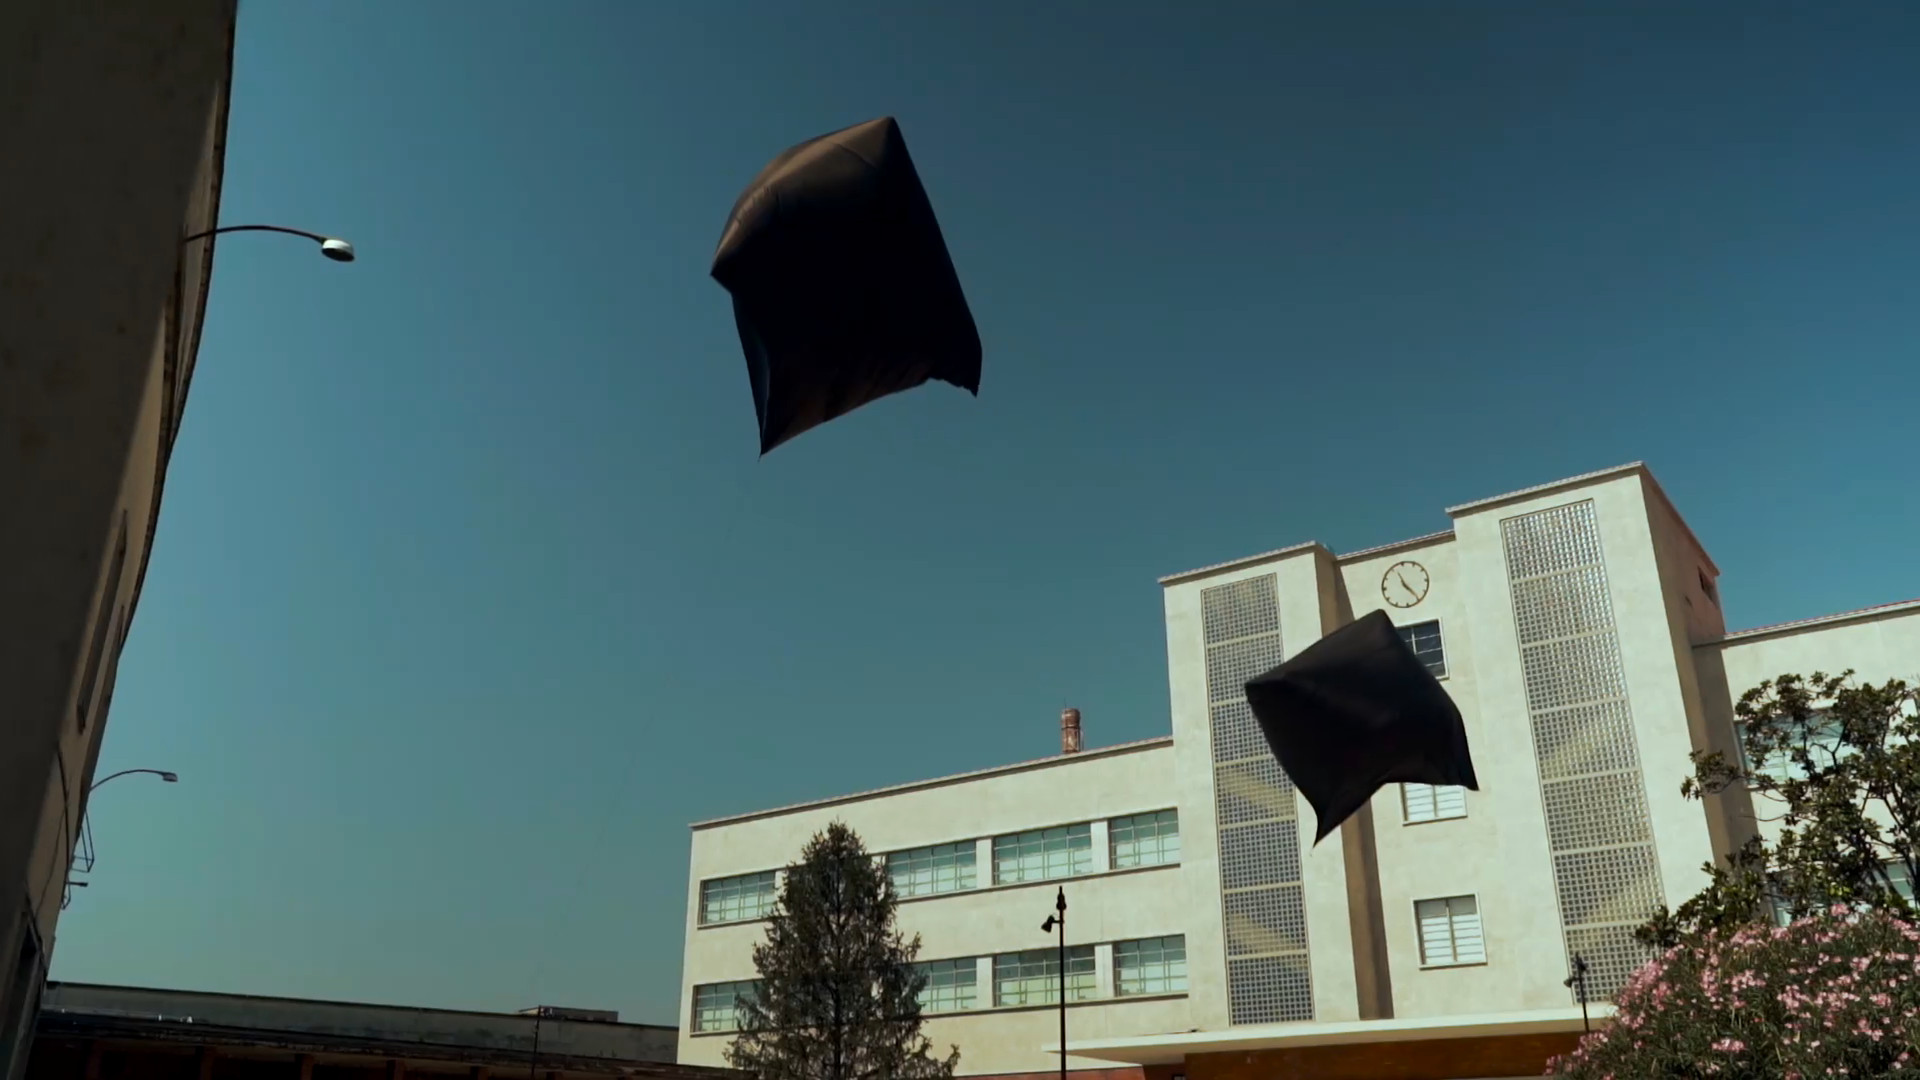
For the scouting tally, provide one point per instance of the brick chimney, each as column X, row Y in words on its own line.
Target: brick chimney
column 1069, row 731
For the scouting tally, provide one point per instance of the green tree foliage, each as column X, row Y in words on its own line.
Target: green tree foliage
column 1837, row 763
column 838, row 997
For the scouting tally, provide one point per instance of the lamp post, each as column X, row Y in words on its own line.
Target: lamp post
column 1578, row 980
column 331, row 246
column 1058, row 921
column 164, row 775
column 82, row 861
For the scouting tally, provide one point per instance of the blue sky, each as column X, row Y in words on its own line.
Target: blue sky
column 470, row 592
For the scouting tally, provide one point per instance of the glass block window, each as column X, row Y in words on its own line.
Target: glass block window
column 1433, row 802
column 952, row 985
column 1144, row 839
column 1043, row 854
column 1268, row 974
column 716, row 1006
column 1424, row 640
column 737, row 899
column 1450, row 931
column 1606, row 874
column 1033, row 977
column 1150, row 966
column 925, row 871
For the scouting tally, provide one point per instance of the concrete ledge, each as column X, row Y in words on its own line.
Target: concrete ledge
column 1173, row 1048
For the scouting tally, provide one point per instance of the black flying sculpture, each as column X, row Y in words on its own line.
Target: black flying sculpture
column 1354, row 712
column 843, row 291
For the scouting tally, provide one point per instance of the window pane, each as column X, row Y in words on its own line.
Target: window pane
column 1418, row 799
column 1427, row 802
column 1150, row 966
column 939, row 869
column 716, row 1005
column 1144, row 839
column 1902, row 881
column 1424, row 640
column 1821, row 738
column 1043, row 854
column 1033, row 977
column 1450, row 931
column 952, row 985
column 737, row 899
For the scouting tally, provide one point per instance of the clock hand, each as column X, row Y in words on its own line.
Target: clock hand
column 1403, row 581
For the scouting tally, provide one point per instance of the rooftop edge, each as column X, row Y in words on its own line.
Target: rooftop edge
column 942, row 781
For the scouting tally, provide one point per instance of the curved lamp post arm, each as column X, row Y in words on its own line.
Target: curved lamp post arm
column 161, row 773
column 315, row 237
column 331, row 246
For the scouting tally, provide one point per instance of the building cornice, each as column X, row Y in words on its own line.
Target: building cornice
column 1055, row 761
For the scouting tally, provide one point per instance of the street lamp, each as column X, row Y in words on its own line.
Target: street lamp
column 165, row 776
column 1578, row 981
column 83, row 851
column 331, row 246
column 1058, row 921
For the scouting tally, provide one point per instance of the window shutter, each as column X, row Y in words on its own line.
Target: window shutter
column 1469, row 946
column 1436, row 933
column 1419, row 801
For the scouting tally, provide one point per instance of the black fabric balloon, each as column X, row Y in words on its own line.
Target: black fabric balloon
column 1356, row 711
column 843, row 291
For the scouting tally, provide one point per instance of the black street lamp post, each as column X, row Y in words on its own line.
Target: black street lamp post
column 1058, row 921
column 1578, row 980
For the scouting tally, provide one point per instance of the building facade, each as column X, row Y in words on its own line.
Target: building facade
column 115, row 122
column 1577, row 625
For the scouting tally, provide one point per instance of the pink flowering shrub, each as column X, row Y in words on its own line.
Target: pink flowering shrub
column 1835, row 995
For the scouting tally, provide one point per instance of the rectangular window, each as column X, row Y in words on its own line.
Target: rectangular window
column 1433, row 802
column 737, row 899
column 1033, row 977
column 1820, row 737
column 1150, row 966
column 1450, row 931
column 1424, row 640
column 1902, row 881
column 716, row 1006
column 1043, row 854
column 952, row 985
column 929, row 870
column 1144, row 839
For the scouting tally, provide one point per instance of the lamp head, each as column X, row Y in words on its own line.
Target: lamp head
column 337, row 250
column 171, row 778
column 1047, row 927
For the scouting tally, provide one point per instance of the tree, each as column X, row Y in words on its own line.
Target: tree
column 1841, row 761
column 1834, row 994
column 838, row 997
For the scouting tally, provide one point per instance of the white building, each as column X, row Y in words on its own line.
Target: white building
column 1578, row 626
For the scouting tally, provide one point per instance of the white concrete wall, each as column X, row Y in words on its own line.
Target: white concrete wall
column 1877, row 645
column 1498, row 852
column 1103, row 907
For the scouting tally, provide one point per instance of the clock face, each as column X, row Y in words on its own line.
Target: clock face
column 1405, row 584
